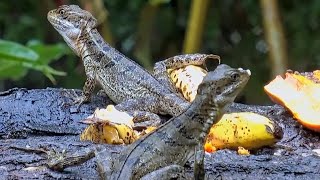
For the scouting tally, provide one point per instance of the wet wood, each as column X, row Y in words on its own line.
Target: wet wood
column 43, row 119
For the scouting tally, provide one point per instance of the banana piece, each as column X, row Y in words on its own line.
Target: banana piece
column 109, row 126
column 236, row 130
column 246, row 129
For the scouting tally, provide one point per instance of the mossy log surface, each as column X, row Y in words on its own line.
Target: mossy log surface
column 44, row 118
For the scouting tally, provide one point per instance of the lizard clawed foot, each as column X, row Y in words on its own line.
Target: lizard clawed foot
column 77, row 100
column 143, row 118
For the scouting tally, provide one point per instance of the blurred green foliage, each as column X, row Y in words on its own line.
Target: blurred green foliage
column 16, row 59
column 233, row 30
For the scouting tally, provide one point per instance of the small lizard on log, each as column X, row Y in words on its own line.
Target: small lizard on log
column 130, row 86
column 163, row 153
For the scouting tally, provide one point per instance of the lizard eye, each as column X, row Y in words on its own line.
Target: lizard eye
column 62, row 11
column 235, row 77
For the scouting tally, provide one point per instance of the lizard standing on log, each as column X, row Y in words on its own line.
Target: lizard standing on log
column 163, row 153
column 131, row 87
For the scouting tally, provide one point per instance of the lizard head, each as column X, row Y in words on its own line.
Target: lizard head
column 71, row 21
column 224, row 84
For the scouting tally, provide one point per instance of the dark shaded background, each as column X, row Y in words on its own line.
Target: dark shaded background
column 148, row 31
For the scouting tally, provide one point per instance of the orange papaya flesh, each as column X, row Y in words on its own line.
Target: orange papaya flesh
column 300, row 95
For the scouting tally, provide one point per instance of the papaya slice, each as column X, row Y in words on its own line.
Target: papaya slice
column 300, row 95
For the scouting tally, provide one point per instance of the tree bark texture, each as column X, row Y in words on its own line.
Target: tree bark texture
column 44, row 118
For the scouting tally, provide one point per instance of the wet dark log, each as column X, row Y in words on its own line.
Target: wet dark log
column 43, row 118
column 47, row 111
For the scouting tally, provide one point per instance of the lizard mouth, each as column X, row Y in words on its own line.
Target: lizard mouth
column 233, row 90
column 57, row 24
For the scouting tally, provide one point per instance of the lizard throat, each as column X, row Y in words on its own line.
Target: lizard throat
column 201, row 117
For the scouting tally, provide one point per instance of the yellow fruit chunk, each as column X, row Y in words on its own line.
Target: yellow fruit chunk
column 209, row 147
column 245, row 129
column 316, row 74
column 109, row 126
column 101, row 133
column 243, row 151
column 148, row 130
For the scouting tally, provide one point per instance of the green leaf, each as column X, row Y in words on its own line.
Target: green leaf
column 11, row 51
column 46, row 70
column 16, row 59
column 12, row 69
column 48, row 53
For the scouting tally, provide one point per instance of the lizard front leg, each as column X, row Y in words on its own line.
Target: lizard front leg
column 85, row 95
column 90, row 83
column 103, row 156
column 59, row 163
column 199, row 172
column 161, row 68
column 87, row 89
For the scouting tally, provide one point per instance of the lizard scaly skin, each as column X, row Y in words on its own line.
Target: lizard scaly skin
column 174, row 142
column 164, row 152
column 126, row 83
